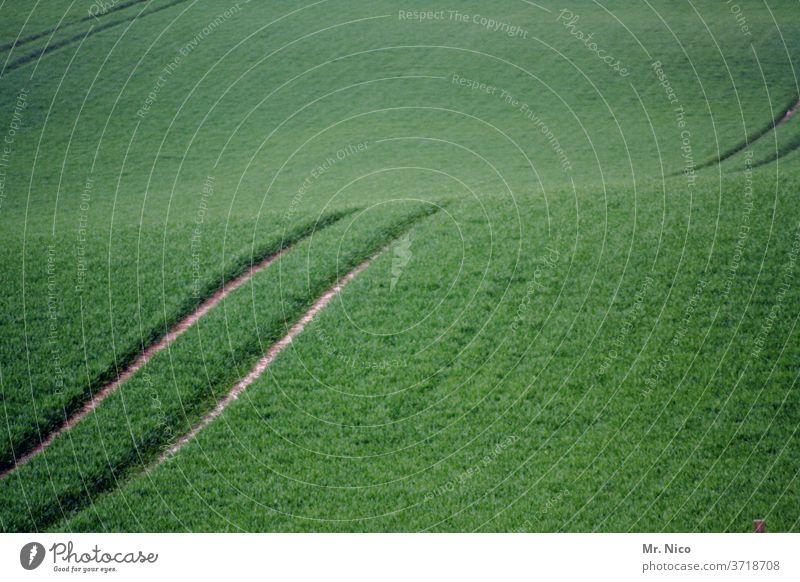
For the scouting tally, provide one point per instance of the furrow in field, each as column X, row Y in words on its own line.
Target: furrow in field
column 268, row 358
column 132, row 347
column 52, row 29
column 782, row 118
column 174, row 390
column 779, row 144
column 782, row 153
column 160, row 343
column 147, row 354
column 786, row 145
column 51, row 47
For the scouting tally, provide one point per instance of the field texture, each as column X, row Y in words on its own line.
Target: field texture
column 369, row 266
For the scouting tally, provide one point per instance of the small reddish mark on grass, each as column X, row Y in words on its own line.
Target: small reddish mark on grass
column 265, row 361
column 760, row 525
column 789, row 112
column 180, row 327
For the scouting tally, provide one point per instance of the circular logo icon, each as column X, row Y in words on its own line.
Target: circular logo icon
column 31, row 555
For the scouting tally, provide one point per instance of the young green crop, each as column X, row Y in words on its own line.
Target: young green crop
column 164, row 399
column 557, row 385
column 582, row 209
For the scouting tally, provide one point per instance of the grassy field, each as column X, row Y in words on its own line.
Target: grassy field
column 582, row 310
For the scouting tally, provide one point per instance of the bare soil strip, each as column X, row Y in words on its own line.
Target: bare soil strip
column 180, row 327
column 265, row 361
column 750, row 140
column 789, row 112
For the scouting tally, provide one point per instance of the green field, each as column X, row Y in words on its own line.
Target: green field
column 581, row 309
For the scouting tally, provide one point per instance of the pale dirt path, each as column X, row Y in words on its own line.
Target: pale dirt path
column 265, row 361
column 180, row 327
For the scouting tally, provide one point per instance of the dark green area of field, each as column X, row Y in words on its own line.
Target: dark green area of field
column 574, row 337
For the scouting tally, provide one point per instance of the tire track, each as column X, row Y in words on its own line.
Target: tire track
column 147, row 355
column 91, row 31
column 789, row 112
column 274, row 351
column 793, row 144
column 177, row 329
column 37, row 35
column 267, row 359
column 753, row 138
column 72, row 493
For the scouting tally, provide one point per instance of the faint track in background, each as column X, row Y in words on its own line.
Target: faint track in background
column 91, row 31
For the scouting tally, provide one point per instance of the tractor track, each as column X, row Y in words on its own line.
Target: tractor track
column 53, row 29
column 753, row 138
column 91, row 31
column 145, row 356
column 262, row 364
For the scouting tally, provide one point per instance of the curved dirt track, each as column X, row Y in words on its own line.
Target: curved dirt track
column 151, row 350
column 265, row 361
